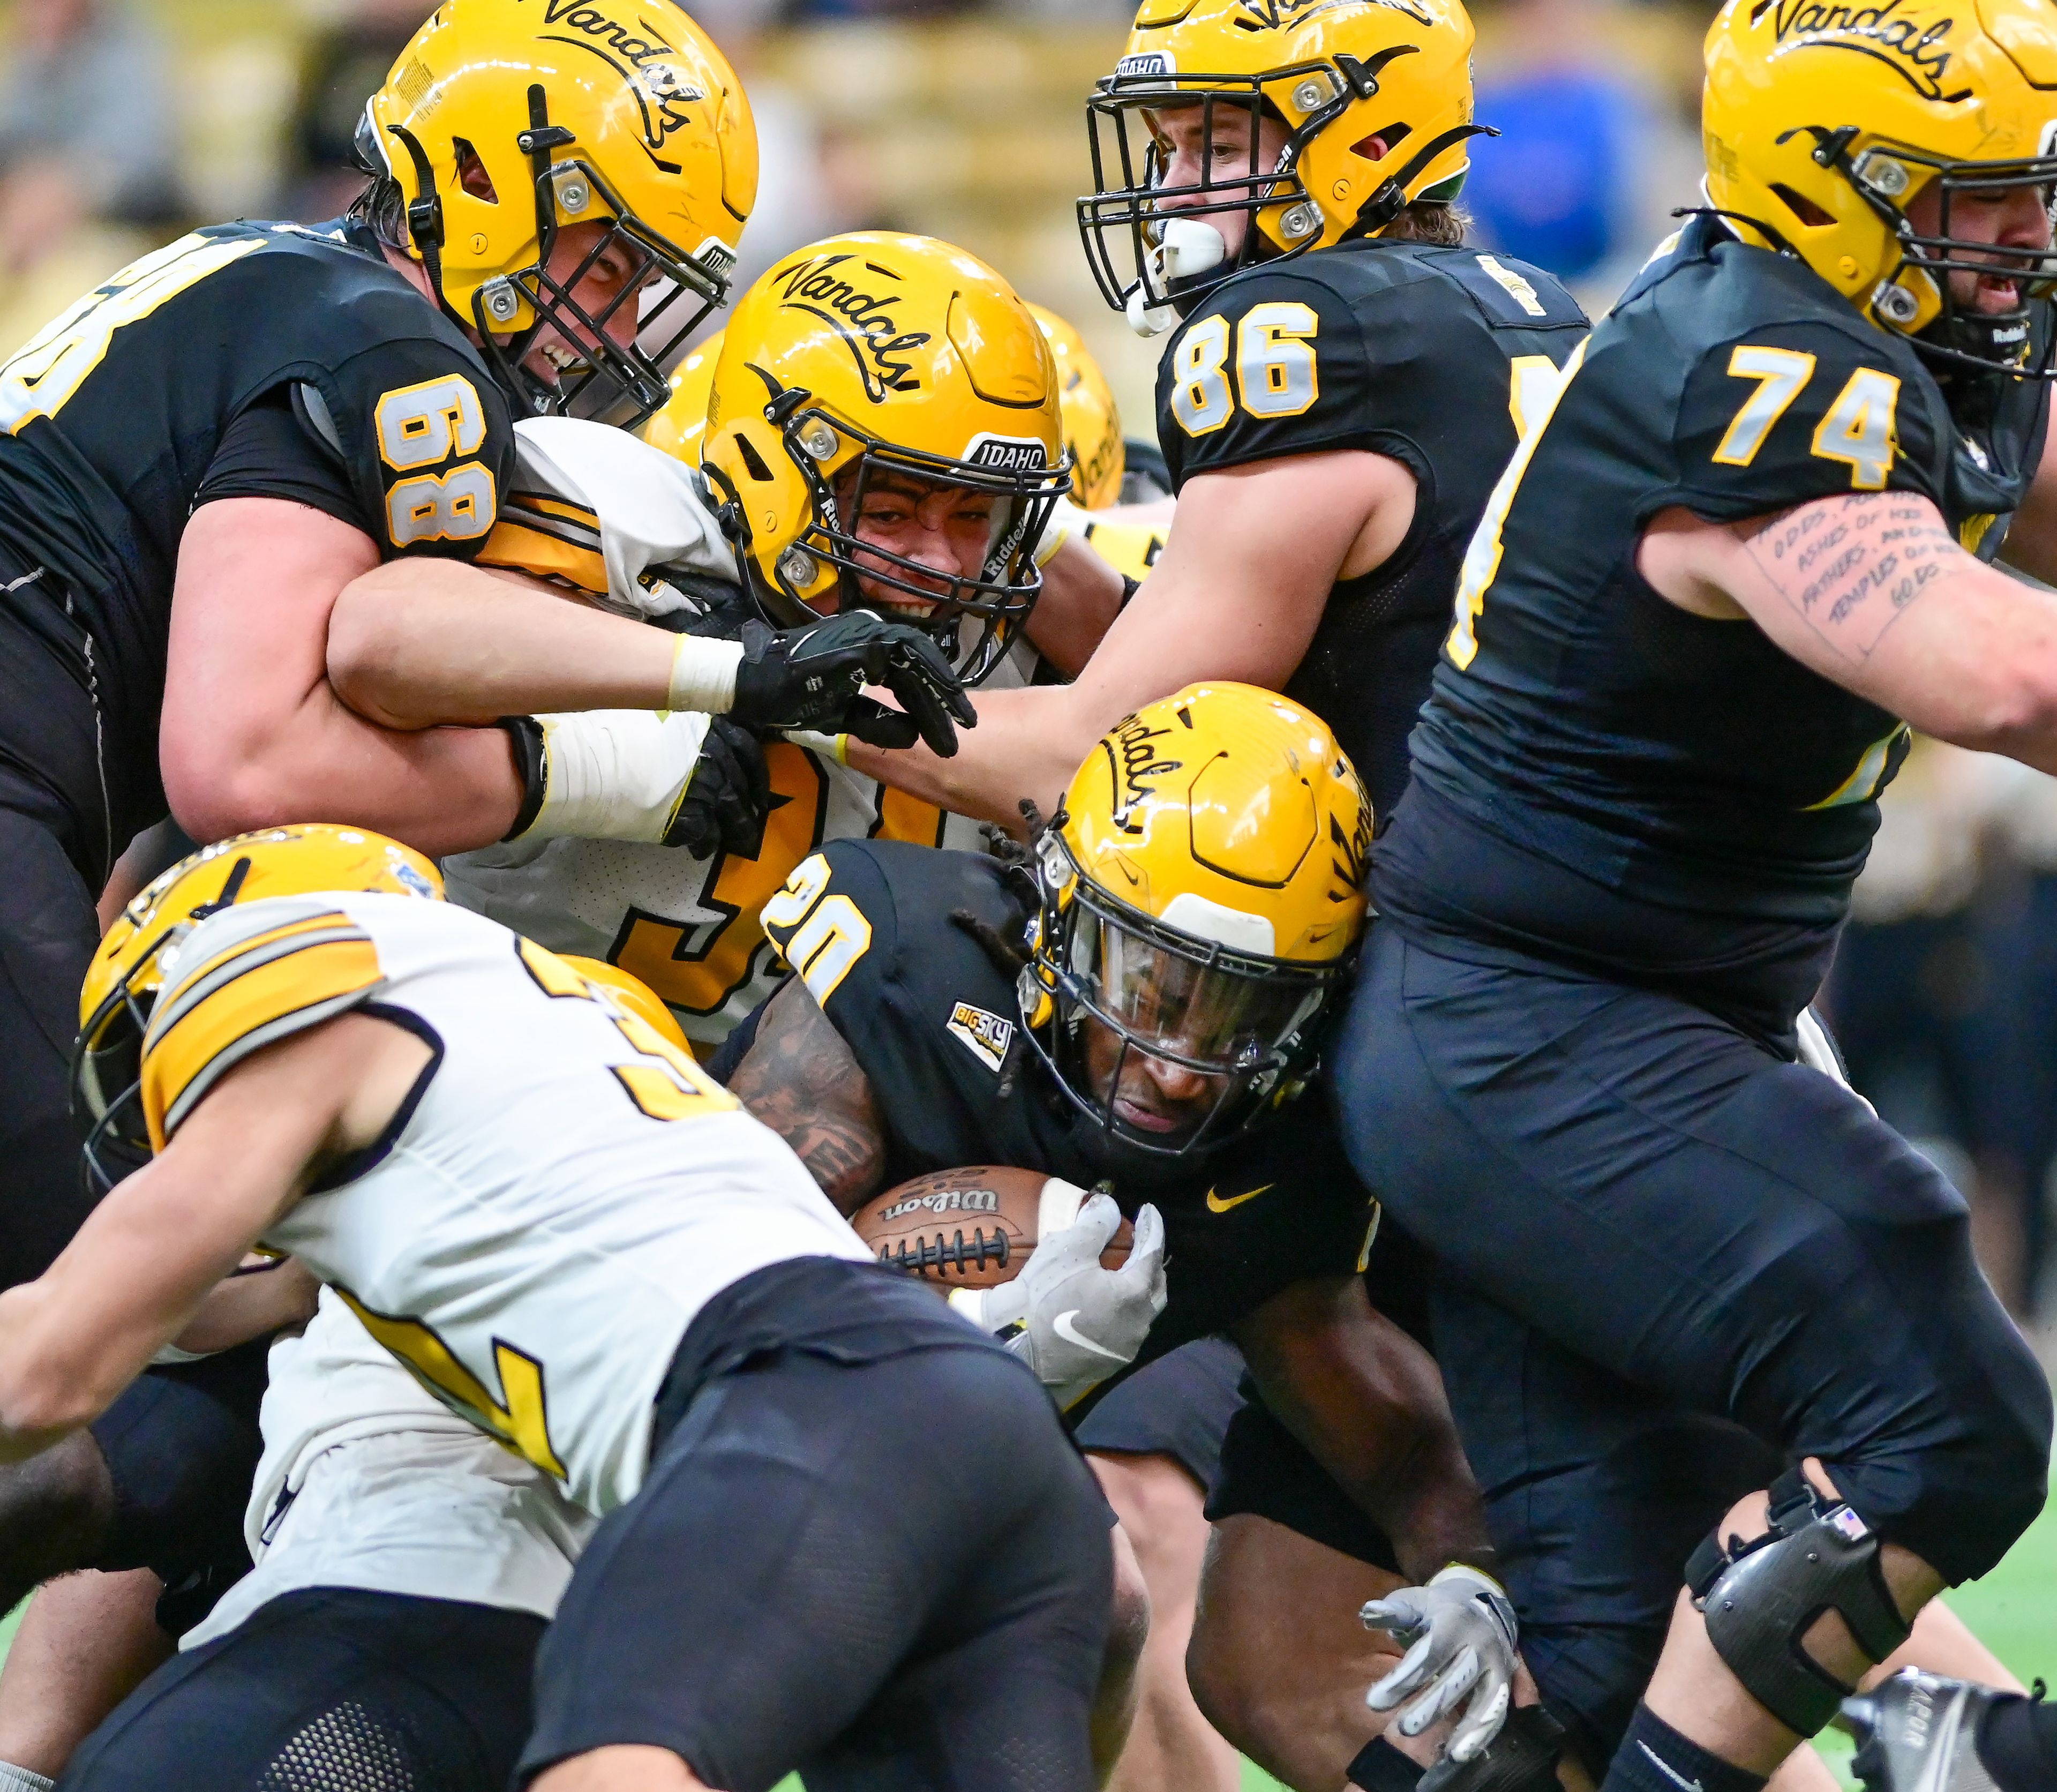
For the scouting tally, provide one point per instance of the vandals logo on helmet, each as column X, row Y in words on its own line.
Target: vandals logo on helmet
column 1134, row 763
column 1913, row 51
column 662, row 92
column 824, row 287
column 1351, row 852
column 1274, row 15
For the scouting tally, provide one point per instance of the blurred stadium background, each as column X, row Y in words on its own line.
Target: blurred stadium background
column 124, row 122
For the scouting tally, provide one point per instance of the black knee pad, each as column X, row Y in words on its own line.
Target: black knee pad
column 1760, row 1598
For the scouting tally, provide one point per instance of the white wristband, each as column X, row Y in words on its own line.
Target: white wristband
column 615, row 774
column 828, row 746
column 703, row 676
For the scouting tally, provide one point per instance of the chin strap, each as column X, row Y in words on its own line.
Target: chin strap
column 1390, row 199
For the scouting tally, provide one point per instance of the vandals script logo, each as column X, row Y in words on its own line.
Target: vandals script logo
column 1136, row 760
column 1272, row 15
column 825, row 286
column 662, row 92
column 1912, row 50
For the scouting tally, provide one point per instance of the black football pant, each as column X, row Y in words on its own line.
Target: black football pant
column 1671, row 1261
column 328, row 1689
column 873, row 1560
column 48, row 932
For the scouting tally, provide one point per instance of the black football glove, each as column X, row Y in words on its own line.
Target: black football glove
column 815, row 677
column 728, row 798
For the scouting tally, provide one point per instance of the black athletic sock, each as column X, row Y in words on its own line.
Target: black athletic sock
column 1380, row 1767
column 2018, row 1746
column 1655, row 1758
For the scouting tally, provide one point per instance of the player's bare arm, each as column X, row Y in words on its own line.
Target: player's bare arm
column 1871, row 591
column 1329, row 1365
column 143, row 1264
column 803, row 1081
column 2031, row 539
column 1237, row 595
column 263, row 1295
column 410, row 646
column 1081, row 598
column 252, row 732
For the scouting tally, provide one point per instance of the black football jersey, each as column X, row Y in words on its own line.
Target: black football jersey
column 1425, row 354
column 937, row 1028
column 1604, row 780
column 246, row 359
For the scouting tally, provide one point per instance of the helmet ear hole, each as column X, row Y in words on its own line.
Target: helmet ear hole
column 471, row 173
column 752, row 460
column 1801, row 207
column 1381, row 142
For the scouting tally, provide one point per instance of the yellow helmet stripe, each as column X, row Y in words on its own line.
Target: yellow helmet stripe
column 280, row 983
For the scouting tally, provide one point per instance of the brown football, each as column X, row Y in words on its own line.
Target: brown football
column 973, row 1227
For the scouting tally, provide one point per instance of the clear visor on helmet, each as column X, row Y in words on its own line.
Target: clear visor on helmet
column 1153, row 241
column 1133, row 997
column 948, row 544
column 607, row 326
column 1209, row 1017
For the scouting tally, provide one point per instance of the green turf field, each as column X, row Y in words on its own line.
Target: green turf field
column 2014, row 1609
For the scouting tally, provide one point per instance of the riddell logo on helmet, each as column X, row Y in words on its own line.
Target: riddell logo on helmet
column 1911, row 49
column 660, row 90
column 876, row 343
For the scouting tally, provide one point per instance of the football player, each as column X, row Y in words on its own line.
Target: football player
column 162, row 1479
column 257, row 415
column 1189, row 918
column 1747, row 548
column 917, row 484
column 580, row 1244
column 1344, row 381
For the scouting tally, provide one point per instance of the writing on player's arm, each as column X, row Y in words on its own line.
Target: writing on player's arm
column 252, row 732
column 1236, row 595
column 1368, row 1403
column 146, row 1259
column 1871, row 591
column 801, row 1080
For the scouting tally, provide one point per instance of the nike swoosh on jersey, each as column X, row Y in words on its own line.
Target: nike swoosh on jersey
column 1216, row 1204
column 1062, row 1326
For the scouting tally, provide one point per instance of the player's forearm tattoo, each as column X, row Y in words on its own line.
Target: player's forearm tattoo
column 1849, row 566
column 803, row 1082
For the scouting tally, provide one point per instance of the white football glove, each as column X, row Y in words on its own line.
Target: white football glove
column 1460, row 1634
column 614, row 774
column 1078, row 1323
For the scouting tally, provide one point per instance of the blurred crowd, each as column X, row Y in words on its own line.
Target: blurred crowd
column 123, row 122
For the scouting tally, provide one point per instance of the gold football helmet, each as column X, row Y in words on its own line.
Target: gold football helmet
column 633, row 994
column 1201, row 898
column 1822, row 124
column 1337, row 74
column 505, row 121
column 1086, row 406
column 677, row 429
column 875, row 354
column 127, row 971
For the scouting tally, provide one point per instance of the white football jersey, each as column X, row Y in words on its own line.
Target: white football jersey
column 367, row 1481
column 563, row 1193
column 598, row 509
